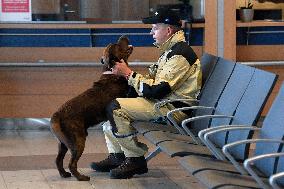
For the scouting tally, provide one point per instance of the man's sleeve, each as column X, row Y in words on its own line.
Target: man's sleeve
column 167, row 79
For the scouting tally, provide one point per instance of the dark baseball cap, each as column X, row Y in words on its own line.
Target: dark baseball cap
column 166, row 16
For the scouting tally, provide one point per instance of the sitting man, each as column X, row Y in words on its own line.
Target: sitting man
column 176, row 75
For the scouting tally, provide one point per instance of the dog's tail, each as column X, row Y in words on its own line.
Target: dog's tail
column 56, row 129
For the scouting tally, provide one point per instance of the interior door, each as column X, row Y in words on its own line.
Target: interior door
column 70, row 10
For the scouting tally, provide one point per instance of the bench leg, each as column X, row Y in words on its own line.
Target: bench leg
column 153, row 154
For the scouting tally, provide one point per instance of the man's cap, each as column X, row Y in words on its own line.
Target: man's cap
column 166, row 16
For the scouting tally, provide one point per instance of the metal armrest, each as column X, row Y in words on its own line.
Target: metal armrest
column 170, row 115
column 160, row 104
column 274, row 178
column 184, row 122
column 204, row 131
column 248, row 162
column 218, row 153
column 188, row 108
column 233, row 144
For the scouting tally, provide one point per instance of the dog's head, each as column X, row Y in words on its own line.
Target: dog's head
column 115, row 52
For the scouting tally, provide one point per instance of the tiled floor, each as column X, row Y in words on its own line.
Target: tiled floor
column 27, row 162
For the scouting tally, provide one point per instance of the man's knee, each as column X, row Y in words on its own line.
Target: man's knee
column 106, row 126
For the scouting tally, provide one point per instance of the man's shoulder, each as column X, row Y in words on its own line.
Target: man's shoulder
column 183, row 49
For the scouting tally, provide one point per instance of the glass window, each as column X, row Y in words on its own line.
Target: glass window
column 100, row 11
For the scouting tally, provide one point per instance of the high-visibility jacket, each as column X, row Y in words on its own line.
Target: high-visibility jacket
column 177, row 74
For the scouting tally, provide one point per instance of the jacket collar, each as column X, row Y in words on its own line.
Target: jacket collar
column 175, row 38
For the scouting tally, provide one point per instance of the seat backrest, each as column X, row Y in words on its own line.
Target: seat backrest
column 249, row 109
column 208, row 63
column 272, row 128
column 280, row 167
column 230, row 98
column 212, row 91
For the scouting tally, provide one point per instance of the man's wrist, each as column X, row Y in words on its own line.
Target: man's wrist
column 128, row 75
column 133, row 74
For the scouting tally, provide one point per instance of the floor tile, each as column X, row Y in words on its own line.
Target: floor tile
column 182, row 178
column 13, row 147
column 65, row 184
column 54, row 180
column 28, row 185
column 152, row 173
column 95, row 143
column 22, row 175
column 95, row 175
column 40, row 142
column 24, row 179
column 52, row 175
column 188, row 183
column 2, row 183
column 160, row 183
column 27, row 161
column 174, row 171
column 6, row 134
column 11, row 144
column 112, row 183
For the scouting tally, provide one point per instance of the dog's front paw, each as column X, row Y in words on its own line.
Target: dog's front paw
column 83, row 178
column 65, row 174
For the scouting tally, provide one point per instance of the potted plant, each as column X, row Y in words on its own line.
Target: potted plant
column 247, row 12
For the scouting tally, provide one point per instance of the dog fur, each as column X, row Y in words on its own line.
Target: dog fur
column 70, row 123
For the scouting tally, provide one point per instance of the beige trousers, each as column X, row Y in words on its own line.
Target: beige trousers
column 138, row 109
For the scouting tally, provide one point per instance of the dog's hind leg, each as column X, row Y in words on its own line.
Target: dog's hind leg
column 76, row 153
column 62, row 149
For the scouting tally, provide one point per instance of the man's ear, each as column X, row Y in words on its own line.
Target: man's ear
column 170, row 31
column 123, row 42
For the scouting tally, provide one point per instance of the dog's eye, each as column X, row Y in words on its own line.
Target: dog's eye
column 102, row 61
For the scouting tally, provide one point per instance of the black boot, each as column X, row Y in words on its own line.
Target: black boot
column 111, row 162
column 130, row 167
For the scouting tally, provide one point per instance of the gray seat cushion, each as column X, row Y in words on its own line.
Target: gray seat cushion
column 157, row 137
column 221, row 179
column 179, row 148
column 194, row 164
column 145, row 126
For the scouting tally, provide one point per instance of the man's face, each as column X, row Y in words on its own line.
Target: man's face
column 160, row 32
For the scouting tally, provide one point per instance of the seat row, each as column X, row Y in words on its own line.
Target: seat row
column 214, row 143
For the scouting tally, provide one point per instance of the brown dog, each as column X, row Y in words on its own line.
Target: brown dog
column 70, row 123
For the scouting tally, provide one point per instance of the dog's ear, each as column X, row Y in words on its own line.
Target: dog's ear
column 107, row 49
column 123, row 42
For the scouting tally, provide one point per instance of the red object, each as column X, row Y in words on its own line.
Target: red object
column 15, row 5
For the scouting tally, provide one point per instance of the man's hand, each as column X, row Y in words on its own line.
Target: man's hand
column 121, row 68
